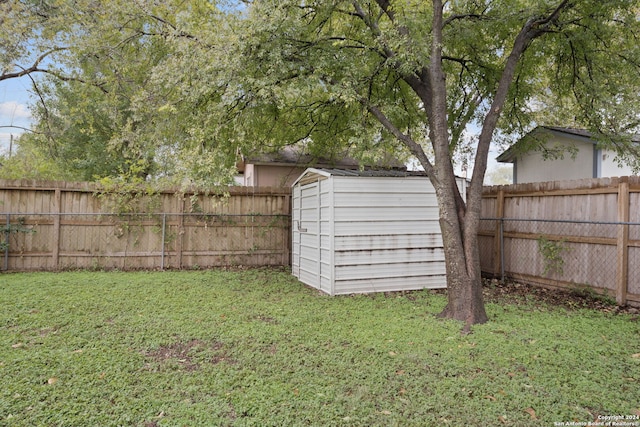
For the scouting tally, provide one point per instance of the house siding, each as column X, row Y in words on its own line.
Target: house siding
column 532, row 167
column 610, row 167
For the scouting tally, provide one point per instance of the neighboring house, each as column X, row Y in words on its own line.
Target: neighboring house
column 556, row 154
column 282, row 168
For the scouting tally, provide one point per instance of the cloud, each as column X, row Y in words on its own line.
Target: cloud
column 12, row 110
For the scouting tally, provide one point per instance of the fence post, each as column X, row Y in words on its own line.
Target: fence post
column 56, row 228
column 502, row 250
column 622, row 273
column 181, row 231
column 7, row 231
column 164, row 228
column 498, row 241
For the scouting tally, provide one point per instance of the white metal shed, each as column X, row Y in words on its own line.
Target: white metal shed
column 366, row 231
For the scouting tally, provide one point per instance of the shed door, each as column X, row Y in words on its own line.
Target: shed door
column 307, row 225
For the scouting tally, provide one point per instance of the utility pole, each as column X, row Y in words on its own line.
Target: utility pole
column 10, row 144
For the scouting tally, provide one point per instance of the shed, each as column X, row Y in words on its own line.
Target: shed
column 366, row 231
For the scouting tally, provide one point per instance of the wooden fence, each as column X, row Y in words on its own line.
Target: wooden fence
column 560, row 234
column 570, row 234
column 70, row 225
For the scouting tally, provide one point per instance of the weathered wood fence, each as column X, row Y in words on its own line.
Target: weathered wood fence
column 559, row 234
column 70, row 225
column 570, row 234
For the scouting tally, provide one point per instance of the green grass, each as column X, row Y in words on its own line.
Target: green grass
column 258, row 348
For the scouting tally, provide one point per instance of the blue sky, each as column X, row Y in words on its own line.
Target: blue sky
column 14, row 99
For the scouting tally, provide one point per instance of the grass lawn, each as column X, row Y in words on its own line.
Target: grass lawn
column 209, row 348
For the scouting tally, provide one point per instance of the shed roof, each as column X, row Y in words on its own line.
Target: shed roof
column 312, row 174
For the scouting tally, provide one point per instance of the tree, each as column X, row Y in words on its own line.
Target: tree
column 98, row 108
column 363, row 73
column 29, row 162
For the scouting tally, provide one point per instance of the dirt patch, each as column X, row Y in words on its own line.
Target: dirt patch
column 518, row 293
column 266, row 319
column 515, row 293
column 189, row 355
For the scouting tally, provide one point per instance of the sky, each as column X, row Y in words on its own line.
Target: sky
column 14, row 111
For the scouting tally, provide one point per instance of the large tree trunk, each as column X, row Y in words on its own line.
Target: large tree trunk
column 464, row 280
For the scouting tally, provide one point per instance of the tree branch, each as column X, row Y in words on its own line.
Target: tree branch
column 35, row 68
column 413, row 146
column 532, row 29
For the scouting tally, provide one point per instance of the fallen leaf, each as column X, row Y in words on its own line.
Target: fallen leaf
column 18, row 345
column 385, row 412
column 400, row 372
column 502, row 419
column 403, row 391
column 77, row 351
column 531, row 412
column 102, row 375
column 636, row 356
column 392, row 353
column 52, row 380
column 490, row 398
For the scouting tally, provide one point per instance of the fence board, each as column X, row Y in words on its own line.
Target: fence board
column 595, row 225
column 74, row 228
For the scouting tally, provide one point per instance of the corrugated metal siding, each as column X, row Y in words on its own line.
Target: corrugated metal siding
column 295, row 234
column 389, row 285
column 373, row 234
column 388, row 241
column 388, row 256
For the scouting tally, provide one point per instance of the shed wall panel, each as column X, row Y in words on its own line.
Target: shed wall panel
column 388, row 241
column 371, row 233
column 387, row 256
column 386, row 227
column 385, row 285
column 376, row 213
column 388, row 200
column 379, row 271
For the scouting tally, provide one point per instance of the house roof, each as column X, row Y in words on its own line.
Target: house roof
column 294, row 156
column 510, row 154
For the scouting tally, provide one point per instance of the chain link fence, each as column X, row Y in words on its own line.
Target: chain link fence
column 592, row 255
column 47, row 241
